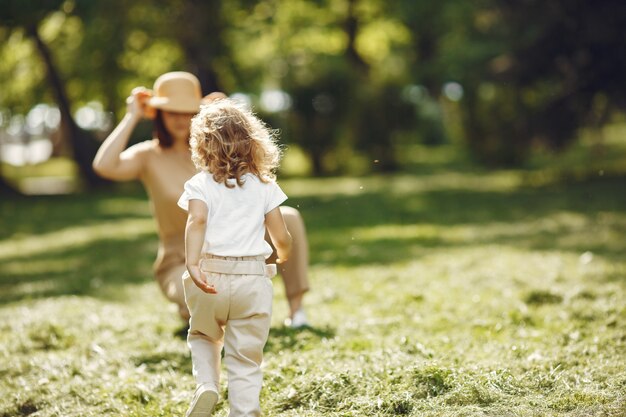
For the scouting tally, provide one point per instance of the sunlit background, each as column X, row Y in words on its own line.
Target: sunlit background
column 353, row 85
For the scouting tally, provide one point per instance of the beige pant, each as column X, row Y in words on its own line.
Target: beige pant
column 237, row 318
column 170, row 264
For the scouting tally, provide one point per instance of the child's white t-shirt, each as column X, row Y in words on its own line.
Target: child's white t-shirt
column 236, row 219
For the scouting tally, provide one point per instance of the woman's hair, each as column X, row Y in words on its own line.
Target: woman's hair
column 228, row 141
column 161, row 133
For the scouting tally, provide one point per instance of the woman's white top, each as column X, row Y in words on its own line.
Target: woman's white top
column 236, row 219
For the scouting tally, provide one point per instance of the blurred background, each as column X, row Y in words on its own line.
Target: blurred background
column 460, row 166
column 355, row 86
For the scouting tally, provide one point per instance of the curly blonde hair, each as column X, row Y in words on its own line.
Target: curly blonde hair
column 228, row 141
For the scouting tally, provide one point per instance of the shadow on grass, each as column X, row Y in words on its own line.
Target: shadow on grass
column 331, row 220
column 280, row 338
column 45, row 214
column 286, row 338
column 99, row 269
column 461, row 206
column 103, row 267
column 162, row 361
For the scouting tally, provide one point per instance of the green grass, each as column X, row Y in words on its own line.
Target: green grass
column 448, row 293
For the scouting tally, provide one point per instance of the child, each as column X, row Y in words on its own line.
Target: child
column 228, row 287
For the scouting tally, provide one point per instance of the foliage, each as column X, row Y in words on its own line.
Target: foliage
column 558, row 66
column 532, row 72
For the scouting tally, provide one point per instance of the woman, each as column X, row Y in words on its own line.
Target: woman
column 163, row 165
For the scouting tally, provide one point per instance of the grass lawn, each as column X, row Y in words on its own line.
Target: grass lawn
column 443, row 293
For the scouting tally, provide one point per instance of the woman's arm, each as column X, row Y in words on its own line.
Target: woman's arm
column 194, row 239
column 279, row 234
column 111, row 161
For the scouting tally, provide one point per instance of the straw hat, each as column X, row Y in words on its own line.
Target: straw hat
column 178, row 92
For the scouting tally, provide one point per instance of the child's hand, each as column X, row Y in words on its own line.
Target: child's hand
column 204, row 286
column 200, row 280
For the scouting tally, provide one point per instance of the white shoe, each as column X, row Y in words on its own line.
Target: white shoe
column 203, row 403
column 298, row 320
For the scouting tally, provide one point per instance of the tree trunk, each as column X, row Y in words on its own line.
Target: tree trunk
column 203, row 21
column 83, row 145
column 351, row 27
column 316, row 163
column 7, row 190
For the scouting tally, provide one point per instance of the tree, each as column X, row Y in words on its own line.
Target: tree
column 28, row 16
column 201, row 38
column 531, row 71
column 555, row 62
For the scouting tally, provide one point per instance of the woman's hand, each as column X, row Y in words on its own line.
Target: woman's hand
column 200, row 279
column 113, row 160
column 137, row 103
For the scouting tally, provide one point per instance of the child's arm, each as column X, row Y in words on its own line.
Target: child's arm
column 194, row 239
column 279, row 234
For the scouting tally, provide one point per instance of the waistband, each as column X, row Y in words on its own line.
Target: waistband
column 237, row 265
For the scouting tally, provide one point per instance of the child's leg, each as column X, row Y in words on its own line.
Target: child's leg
column 206, row 334
column 205, row 358
column 246, row 334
